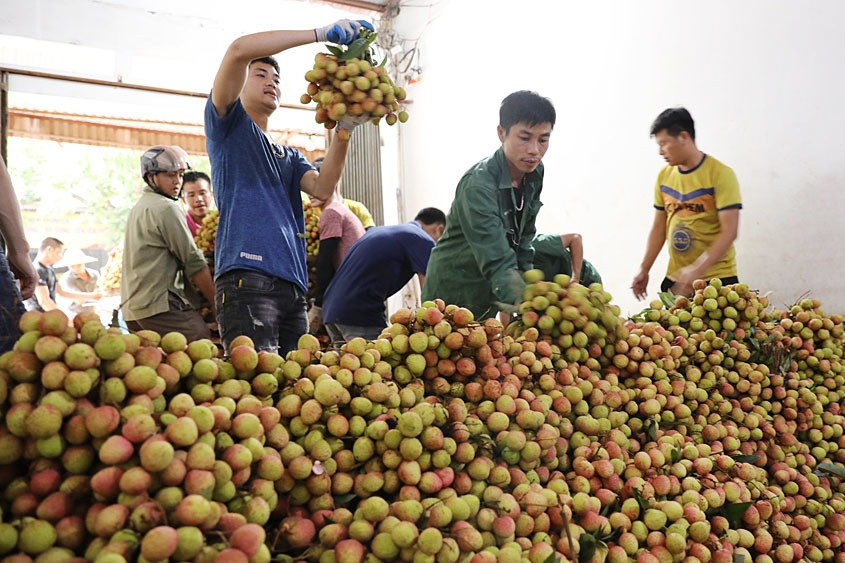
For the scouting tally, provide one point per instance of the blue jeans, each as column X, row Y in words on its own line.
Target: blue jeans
column 340, row 332
column 11, row 306
column 270, row 310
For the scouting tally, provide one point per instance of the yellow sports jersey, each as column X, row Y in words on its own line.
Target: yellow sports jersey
column 360, row 211
column 692, row 201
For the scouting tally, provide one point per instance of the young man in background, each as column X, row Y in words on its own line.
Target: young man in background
column 697, row 203
column 49, row 255
column 197, row 196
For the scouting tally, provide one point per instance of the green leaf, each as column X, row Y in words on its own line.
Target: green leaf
column 336, row 51
column 384, row 60
column 733, row 512
column 302, row 235
column 675, row 454
column 358, row 47
column 344, row 499
column 672, row 423
column 588, row 545
column 746, row 458
column 651, row 429
column 487, row 440
column 640, row 500
column 642, row 316
column 837, row 470
column 668, row 299
column 552, row 559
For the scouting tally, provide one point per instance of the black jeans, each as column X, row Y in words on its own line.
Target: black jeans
column 667, row 283
column 270, row 310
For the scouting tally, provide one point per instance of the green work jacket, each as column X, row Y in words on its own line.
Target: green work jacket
column 551, row 257
column 485, row 246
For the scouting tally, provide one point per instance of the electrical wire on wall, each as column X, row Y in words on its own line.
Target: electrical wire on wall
column 403, row 53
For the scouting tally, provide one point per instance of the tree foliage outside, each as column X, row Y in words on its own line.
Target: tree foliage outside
column 79, row 185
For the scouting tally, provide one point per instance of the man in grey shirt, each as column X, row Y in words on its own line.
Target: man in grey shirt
column 160, row 259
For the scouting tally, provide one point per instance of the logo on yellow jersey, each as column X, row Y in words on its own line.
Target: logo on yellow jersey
column 685, row 204
column 681, row 238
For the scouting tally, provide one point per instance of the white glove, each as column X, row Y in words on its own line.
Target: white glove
column 315, row 319
column 342, row 32
column 350, row 122
column 506, row 307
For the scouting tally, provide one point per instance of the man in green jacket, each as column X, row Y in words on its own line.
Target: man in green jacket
column 563, row 254
column 478, row 262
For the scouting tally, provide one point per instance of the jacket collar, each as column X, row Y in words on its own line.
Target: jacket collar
column 501, row 163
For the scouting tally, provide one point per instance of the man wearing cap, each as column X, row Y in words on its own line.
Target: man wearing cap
column 79, row 279
column 160, row 256
column 49, row 257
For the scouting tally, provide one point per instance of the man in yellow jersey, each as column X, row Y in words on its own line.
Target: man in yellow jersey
column 697, row 203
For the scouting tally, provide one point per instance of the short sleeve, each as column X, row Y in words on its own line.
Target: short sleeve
column 727, row 191
column 331, row 224
column 43, row 275
column 301, row 166
column 216, row 127
column 658, row 194
column 419, row 252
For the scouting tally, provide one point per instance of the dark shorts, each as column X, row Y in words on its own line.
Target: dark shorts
column 268, row 309
column 11, row 306
column 180, row 318
column 667, row 283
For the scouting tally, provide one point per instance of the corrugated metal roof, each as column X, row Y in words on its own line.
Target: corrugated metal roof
column 136, row 134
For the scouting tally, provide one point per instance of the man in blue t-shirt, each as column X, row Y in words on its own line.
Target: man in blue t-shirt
column 376, row 267
column 260, row 269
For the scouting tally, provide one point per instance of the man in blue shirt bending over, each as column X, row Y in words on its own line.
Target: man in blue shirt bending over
column 376, row 267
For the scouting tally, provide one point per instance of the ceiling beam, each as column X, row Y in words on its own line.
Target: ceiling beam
column 117, row 84
column 363, row 4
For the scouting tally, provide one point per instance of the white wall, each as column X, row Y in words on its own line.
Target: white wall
column 762, row 78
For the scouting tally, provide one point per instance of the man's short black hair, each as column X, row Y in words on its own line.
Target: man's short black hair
column 527, row 107
column 51, row 242
column 194, row 175
column 674, row 121
column 267, row 60
column 431, row 216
